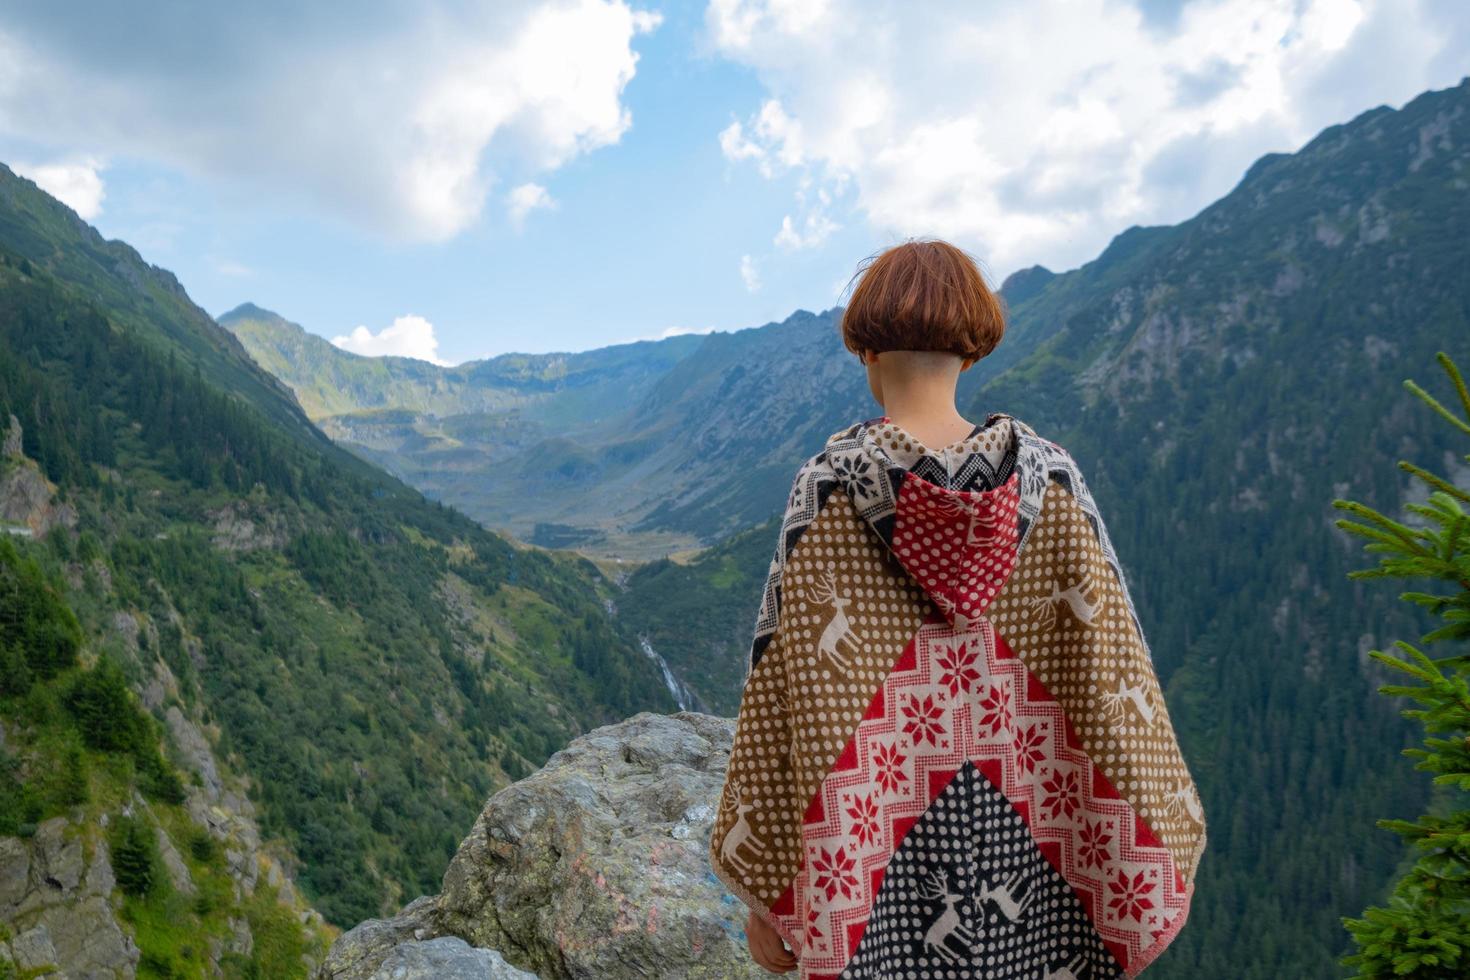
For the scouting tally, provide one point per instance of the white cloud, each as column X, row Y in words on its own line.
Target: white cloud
column 749, row 274
column 1034, row 130
column 407, row 336
column 403, row 118
column 77, row 184
column 524, row 199
column 814, row 231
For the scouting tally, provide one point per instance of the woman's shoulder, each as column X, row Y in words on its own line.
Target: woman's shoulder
column 849, row 433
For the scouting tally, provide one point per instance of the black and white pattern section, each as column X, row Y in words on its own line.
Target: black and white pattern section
column 810, row 489
column 1041, row 460
column 976, row 471
column 873, row 475
column 870, row 482
column 968, row 896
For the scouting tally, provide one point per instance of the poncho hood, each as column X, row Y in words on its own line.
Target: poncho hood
column 957, row 517
column 953, row 757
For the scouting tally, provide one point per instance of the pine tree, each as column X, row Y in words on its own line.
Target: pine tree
column 135, row 857
column 1423, row 932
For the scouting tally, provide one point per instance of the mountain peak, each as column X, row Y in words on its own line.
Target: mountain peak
column 247, row 311
column 1023, row 284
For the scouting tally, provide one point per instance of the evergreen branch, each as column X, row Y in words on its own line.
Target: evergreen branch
column 1402, row 532
column 1454, row 372
column 1421, row 932
column 1438, row 482
column 1433, row 403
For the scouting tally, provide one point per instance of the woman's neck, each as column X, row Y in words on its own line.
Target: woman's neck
column 934, row 424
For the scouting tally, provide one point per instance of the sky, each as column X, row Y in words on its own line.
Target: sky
column 453, row 180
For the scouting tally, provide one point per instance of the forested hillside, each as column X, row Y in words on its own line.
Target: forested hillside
column 82, row 768
column 1221, row 382
column 374, row 664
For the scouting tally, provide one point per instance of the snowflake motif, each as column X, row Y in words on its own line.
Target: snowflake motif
column 1028, row 747
column 1093, row 848
column 1061, row 790
column 956, row 670
column 864, row 813
column 854, row 470
column 1128, row 899
column 834, row 873
column 997, row 705
column 812, row 931
column 923, row 723
column 890, row 771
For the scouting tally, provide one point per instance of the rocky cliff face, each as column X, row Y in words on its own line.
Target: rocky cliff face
column 56, row 893
column 594, row 866
column 62, row 914
column 28, row 504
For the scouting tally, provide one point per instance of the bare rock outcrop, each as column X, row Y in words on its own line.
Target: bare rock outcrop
column 28, row 503
column 594, row 866
column 58, row 906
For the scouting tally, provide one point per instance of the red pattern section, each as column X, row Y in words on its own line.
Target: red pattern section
column 959, row 545
column 951, row 696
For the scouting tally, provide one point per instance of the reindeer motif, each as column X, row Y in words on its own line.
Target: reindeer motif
column 947, row 605
column 740, row 833
column 1068, row 972
column 1075, row 596
column 1186, row 801
column 980, row 526
column 1135, row 695
column 948, row 923
column 839, row 628
column 1003, row 896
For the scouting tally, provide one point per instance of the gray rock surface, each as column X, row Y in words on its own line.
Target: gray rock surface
column 359, row 952
column 446, row 958
column 32, row 949
column 595, row 866
column 27, row 498
column 56, row 902
column 173, row 862
column 12, row 448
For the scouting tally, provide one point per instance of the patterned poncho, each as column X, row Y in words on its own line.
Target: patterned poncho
column 952, row 757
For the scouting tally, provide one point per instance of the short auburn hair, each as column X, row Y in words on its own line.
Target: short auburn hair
column 923, row 295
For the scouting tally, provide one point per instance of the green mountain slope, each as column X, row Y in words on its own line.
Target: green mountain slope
column 83, row 780
column 1221, row 381
column 508, row 440
column 373, row 663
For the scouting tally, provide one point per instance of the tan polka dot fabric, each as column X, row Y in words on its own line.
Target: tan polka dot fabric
column 1062, row 608
column 848, row 609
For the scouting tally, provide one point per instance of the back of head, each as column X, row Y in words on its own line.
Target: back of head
column 923, row 296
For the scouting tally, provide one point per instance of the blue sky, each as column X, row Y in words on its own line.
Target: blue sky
column 454, row 180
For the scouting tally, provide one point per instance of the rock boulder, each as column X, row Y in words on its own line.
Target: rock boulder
column 594, row 866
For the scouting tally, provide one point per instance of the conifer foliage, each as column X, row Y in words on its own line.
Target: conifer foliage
column 1424, row 929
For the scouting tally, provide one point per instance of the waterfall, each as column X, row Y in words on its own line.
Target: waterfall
column 686, row 699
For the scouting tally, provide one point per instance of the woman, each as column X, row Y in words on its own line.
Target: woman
column 952, row 757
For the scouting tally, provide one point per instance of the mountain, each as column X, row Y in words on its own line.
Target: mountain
column 275, row 612
column 1221, row 381
column 690, row 436
column 509, row 440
